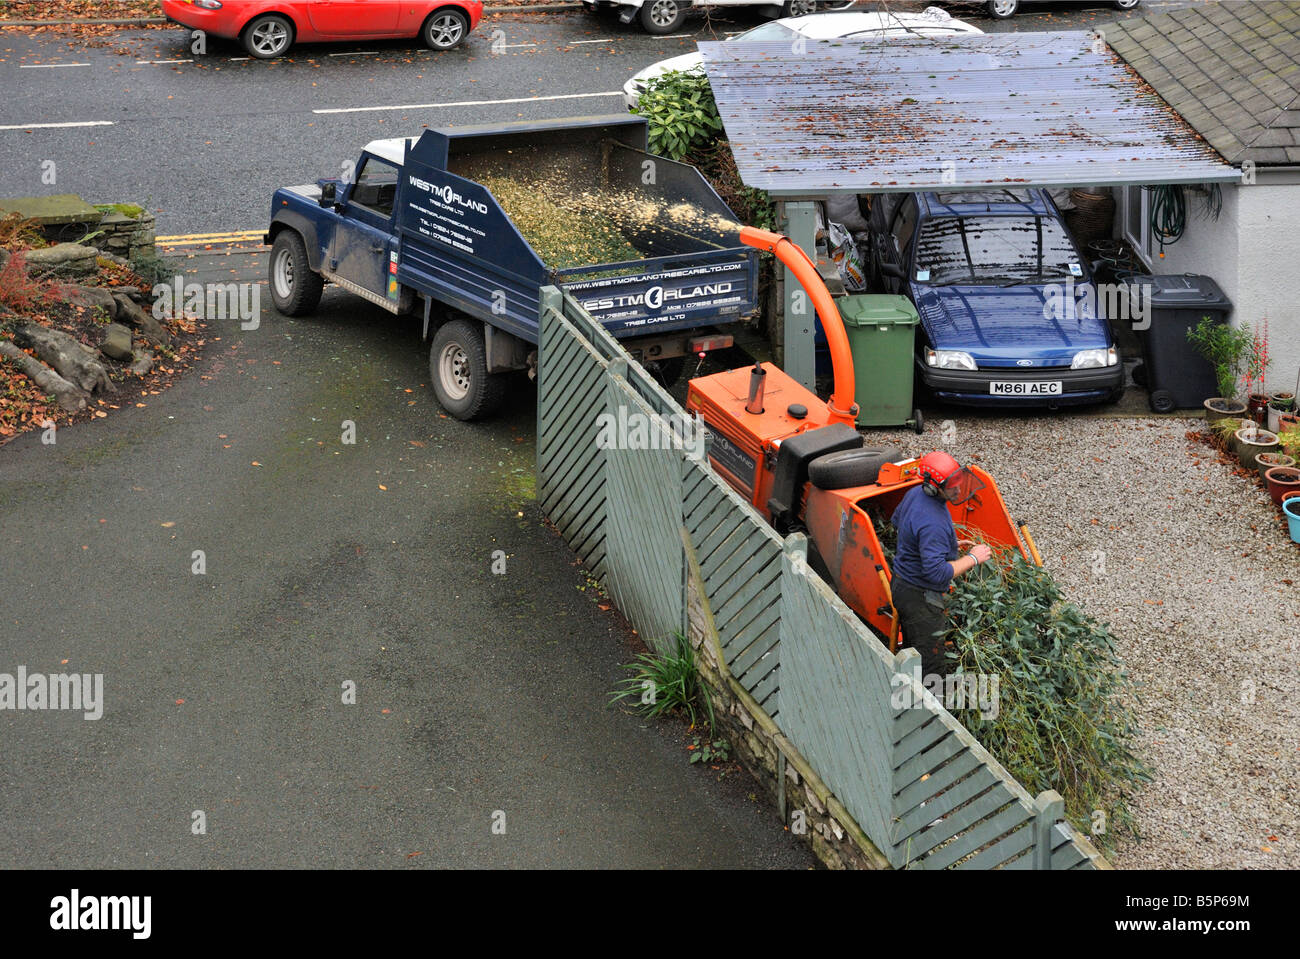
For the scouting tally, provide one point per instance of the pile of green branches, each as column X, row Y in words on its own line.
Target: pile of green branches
column 1064, row 719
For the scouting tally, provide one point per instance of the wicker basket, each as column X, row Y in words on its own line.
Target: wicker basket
column 1093, row 215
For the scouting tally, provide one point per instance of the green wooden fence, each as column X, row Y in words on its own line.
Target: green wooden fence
column 916, row 781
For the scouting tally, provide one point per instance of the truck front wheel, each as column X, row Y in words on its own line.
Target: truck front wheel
column 458, row 371
column 295, row 289
column 663, row 16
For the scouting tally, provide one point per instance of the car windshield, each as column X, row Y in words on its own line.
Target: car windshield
column 993, row 249
column 769, row 31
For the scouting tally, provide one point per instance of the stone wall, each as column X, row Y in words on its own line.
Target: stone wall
column 123, row 236
column 809, row 809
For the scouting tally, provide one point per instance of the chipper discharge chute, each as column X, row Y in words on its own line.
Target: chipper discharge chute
column 803, row 465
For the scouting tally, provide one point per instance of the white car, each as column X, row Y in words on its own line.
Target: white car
column 667, row 16
column 851, row 25
column 1002, row 9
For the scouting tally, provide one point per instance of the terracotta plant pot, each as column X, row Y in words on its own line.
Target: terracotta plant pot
column 1266, row 461
column 1287, row 420
column 1251, row 443
column 1281, row 481
column 1219, row 408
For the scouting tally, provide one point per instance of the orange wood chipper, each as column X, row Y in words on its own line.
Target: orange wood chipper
column 804, row 466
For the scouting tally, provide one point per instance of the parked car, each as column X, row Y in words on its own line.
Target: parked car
column 852, row 25
column 1002, row 9
column 667, row 16
column 1007, row 302
column 267, row 28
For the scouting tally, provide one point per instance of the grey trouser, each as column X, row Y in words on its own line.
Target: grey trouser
column 921, row 615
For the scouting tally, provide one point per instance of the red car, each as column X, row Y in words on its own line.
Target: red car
column 267, row 28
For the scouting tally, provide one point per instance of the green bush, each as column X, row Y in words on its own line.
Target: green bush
column 1063, row 718
column 680, row 113
column 1225, row 347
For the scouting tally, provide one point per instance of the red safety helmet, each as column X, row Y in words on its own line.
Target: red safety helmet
column 940, row 472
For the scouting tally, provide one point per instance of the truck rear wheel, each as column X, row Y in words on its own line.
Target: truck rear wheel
column 295, row 289
column 458, row 371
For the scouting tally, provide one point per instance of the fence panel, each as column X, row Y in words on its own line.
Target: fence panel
column 643, row 516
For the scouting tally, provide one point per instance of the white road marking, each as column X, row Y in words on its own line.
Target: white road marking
column 57, row 126
column 672, row 36
column 359, row 53
column 141, row 62
column 237, row 59
column 506, row 46
column 576, row 42
column 49, row 66
column 470, row 103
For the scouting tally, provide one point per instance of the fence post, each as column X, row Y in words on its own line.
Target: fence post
column 1051, row 809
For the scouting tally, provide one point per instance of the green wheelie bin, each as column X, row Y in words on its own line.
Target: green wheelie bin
column 882, row 334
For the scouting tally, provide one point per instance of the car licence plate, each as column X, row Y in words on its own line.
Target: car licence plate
column 1025, row 388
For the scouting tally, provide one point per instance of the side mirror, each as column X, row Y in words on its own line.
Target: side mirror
column 327, row 194
column 891, row 269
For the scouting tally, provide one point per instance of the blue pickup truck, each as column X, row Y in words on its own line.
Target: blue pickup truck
column 413, row 230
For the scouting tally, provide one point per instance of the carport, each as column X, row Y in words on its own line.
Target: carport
column 808, row 120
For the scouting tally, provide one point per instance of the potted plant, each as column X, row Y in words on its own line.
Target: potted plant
column 1266, row 461
column 1289, row 441
column 1225, row 346
column 1278, row 405
column 1251, row 442
column 1257, row 360
column 1282, row 480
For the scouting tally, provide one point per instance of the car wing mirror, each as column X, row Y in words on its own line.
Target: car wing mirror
column 328, row 194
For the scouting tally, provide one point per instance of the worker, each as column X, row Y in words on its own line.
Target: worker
column 928, row 558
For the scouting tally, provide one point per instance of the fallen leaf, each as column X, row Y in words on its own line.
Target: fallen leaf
column 169, row 524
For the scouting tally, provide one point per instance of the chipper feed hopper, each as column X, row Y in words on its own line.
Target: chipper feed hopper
column 804, row 466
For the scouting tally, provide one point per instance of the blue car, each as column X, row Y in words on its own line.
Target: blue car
column 1007, row 301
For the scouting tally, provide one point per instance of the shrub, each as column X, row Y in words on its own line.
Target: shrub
column 18, row 290
column 681, row 115
column 1225, row 347
column 1063, row 720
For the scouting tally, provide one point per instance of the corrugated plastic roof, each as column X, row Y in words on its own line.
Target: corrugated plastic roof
column 1025, row 109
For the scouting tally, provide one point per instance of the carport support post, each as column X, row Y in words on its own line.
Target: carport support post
column 797, row 219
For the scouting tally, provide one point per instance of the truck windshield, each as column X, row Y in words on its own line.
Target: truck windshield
column 993, row 249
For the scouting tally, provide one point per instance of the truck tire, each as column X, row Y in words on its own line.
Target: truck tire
column 847, row 468
column 458, row 371
column 295, row 289
column 663, row 16
column 444, row 29
column 267, row 37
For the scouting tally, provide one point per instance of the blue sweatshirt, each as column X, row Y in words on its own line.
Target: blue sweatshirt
column 927, row 541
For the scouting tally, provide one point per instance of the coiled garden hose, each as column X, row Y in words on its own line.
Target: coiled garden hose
column 1168, row 217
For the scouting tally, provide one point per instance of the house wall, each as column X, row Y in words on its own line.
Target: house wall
column 1252, row 251
column 1269, row 271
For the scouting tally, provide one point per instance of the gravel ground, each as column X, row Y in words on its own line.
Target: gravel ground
column 1192, row 566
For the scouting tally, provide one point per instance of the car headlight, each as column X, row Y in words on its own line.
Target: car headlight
column 1092, row 359
column 207, row 4
column 950, row 359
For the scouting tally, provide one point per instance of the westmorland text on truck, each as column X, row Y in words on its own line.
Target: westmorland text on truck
column 414, row 232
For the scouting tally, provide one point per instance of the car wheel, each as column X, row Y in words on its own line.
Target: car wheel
column 458, row 371
column 267, row 37
column 1001, row 9
column 663, row 16
column 445, row 29
column 295, row 288
column 1126, row 4
column 798, row 8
